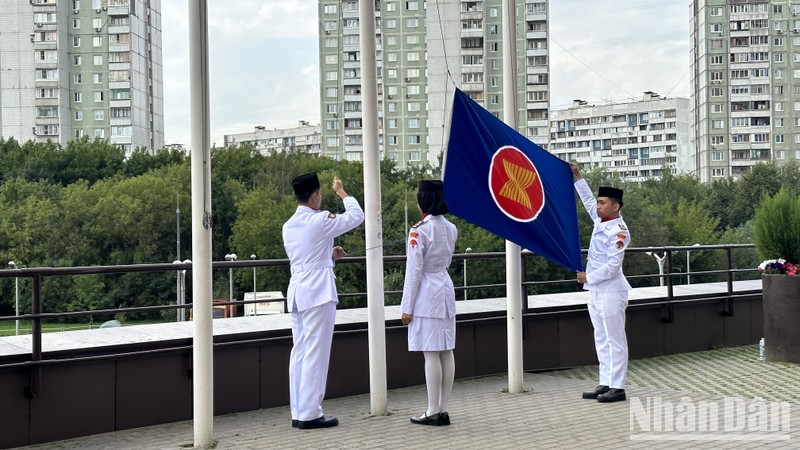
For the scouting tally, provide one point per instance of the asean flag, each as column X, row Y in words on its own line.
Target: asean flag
column 499, row 180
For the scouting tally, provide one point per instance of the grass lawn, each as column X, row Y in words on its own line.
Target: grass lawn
column 7, row 328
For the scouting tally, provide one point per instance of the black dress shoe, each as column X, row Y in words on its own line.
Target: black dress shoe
column 613, row 395
column 445, row 418
column 295, row 423
column 595, row 392
column 422, row 419
column 322, row 422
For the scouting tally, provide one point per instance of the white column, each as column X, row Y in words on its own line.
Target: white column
column 202, row 361
column 376, row 321
column 513, row 251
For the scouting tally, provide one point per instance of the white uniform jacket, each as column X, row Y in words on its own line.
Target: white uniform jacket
column 308, row 241
column 428, row 289
column 606, row 248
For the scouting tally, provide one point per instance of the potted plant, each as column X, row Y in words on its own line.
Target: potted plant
column 777, row 235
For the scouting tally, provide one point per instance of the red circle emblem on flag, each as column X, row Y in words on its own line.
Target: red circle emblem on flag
column 515, row 184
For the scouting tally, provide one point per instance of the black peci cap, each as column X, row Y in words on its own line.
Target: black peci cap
column 610, row 192
column 305, row 184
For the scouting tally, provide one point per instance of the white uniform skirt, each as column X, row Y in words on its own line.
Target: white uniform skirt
column 430, row 334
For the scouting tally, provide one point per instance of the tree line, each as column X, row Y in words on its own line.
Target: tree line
column 85, row 204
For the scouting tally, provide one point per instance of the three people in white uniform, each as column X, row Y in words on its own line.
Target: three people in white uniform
column 311, row 297
column 607, row 286
column 429, row 300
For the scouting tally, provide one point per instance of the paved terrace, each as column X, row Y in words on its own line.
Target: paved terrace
column 549, row 414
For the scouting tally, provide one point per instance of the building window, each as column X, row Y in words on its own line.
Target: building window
column 98, row 96
column 99, row 133
column 413, row 123
column 97, row 78
column 76, row 41
column 99, row 114
column 718, row 124
column 97, row 60
column 779, row 138
column 413, row 156
column 718, row 172
column 78, row 97
column 97, row 41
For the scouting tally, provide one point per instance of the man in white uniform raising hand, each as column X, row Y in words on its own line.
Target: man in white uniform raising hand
column 308, row 239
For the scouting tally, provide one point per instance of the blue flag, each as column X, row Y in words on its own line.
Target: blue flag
column 499, row 180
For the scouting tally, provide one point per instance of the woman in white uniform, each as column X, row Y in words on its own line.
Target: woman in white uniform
column 429, row 299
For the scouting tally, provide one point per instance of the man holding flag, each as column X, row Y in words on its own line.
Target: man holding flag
column 607, row 286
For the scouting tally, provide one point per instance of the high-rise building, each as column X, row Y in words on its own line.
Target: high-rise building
column 745, row 77
column 72, row 68
column 424, row 49
column 635, row 140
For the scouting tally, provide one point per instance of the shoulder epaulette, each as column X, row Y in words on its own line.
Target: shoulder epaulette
column 417, row 224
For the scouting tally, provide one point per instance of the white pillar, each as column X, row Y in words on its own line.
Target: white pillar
column 376, row 330
column 202, row 349
column 513, row 251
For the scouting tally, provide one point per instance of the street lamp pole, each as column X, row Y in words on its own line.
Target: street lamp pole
column 230, row 257
column 253, row 257
column 688, row 270
column 660, row 260
column 177, row 221
column 468, row 249
column 13, row 265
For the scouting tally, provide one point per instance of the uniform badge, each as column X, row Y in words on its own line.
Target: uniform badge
column 413, row 243
column 414, row 234
column 331, row 216
column 622, row 227
column 621, row 236
column 620, row 244
column 416, row 224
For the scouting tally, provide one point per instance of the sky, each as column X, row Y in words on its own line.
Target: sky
column 264, row 63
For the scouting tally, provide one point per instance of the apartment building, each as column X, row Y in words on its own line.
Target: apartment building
column 74, row 68
column 745, row 77
column 424, row 49
column 302, row 138
column 635, row 140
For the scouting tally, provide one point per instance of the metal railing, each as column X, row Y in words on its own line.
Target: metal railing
column 37, row 274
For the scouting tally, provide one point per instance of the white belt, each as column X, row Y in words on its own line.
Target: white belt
column 306, row 267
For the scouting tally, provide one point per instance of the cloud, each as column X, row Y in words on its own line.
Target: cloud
column 636, row 46
column 262, row 66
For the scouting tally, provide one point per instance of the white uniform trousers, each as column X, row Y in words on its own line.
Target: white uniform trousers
column 312, row 333
column 607, row 311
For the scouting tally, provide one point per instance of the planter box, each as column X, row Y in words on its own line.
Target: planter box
column 781, row 315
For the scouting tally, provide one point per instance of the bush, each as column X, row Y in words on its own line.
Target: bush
column 777, row 227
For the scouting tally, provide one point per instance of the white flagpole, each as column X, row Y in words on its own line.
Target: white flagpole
column 202, row 348
column 513, row 252
column 376, row 321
